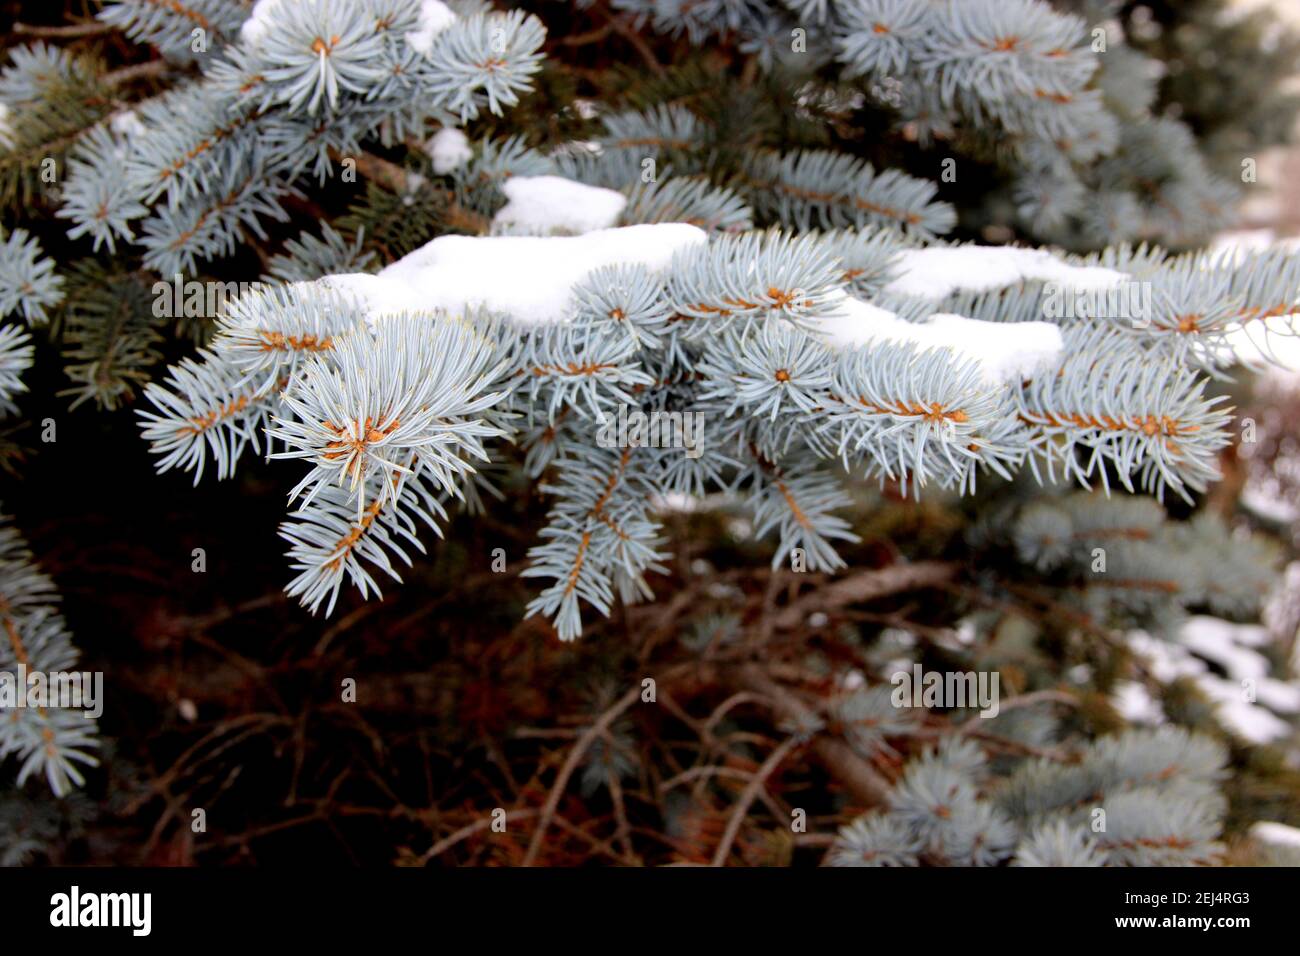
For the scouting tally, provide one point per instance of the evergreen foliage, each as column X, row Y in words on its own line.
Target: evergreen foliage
column 791, row 288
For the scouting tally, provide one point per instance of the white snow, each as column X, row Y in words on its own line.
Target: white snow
column 127, row 125
column 1005, row 352
column 1270, row 345
column 5, row 129
column 252, row 30
column 551, row 204
column 1276, row 834
column 1134, row 703
column 1249, row 720
column 435, row 17
column 1227, row 644
column 966, row 632
column 414, row 183
column 675, row 502
column 1248, row 635
column 1279, row 696
column 939, row 271
column 855, row 322
column 1234, row 243
column 1221, row 642
column 1166, row 662
column 1277, row 843
column 528, row 278
column 1268, row 506
column 449, row 149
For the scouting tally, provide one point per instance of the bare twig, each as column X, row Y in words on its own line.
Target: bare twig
column 71, row 31
column 866, row 785
column 632, row 36
column 571, row 764
column 137, row 71
column 465, row 832
column 865, row 586
column 382, row 171
column 756, row 783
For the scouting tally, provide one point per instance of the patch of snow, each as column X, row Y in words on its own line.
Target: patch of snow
column 966, row 632
column 6, row 131
column 1233, row 244
column 1252, row 722
column 579, row 148
column 1134, row 703
column 1221, row 642
column 675, row 502
column 739, row 529
column 1080, row 673
column 1166, row 662
column 449, row 149
column 127, row 125
column 1247, row 635
column 1276, row 834
column 1227, row 644
column 528, row 278
column 939, row 271
column 1005, row 352
column 258, row 24
column 435, row 17
column 1279, row 696
column 894, row 666
column 1278, row 843
column 540, row 205
column 414, row 183
column 1271, row 346
column 1267, row 506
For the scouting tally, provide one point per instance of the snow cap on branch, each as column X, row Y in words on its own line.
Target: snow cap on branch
column 541, row 205
column 939, row 271
column 1005, row 352
column 435, row 17
column 528, row 278
column 449, row 149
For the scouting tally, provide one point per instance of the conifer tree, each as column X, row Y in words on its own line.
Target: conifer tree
column 822, row 271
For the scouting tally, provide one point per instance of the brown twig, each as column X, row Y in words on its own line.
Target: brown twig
column 632, row 36
column 465, row 832
column 866, row 586
column 137, row 71
column 71, row 31
column 866, row 785
column 576, row 754
column 756, row 783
